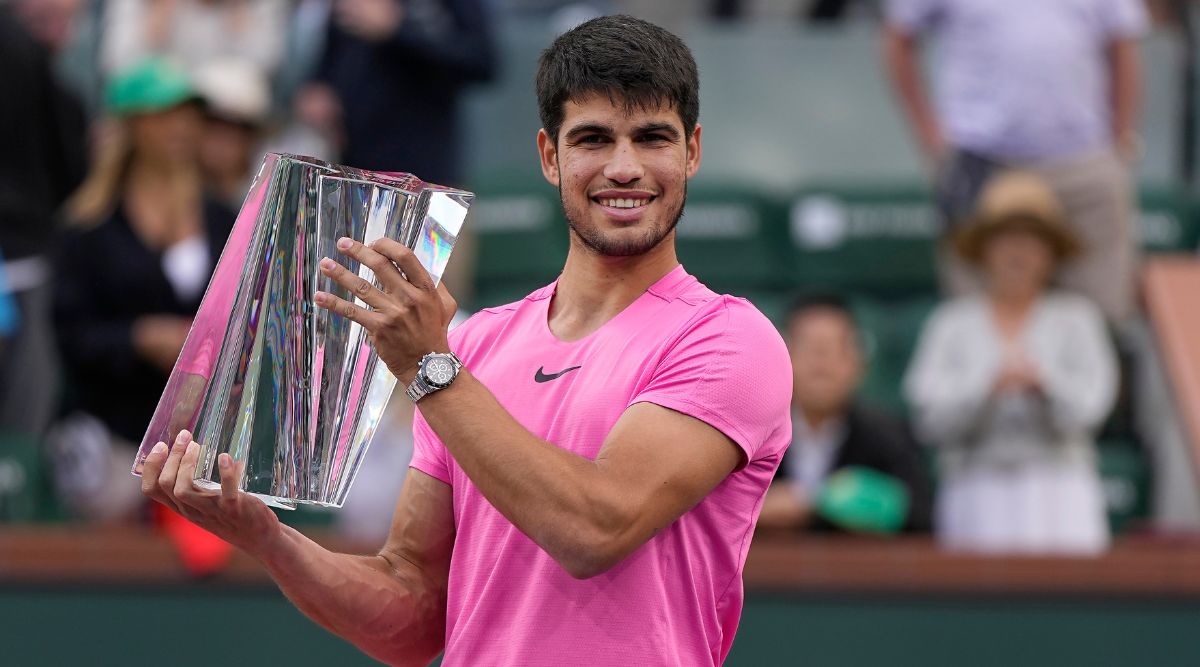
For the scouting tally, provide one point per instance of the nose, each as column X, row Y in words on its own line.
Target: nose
column 625, row 166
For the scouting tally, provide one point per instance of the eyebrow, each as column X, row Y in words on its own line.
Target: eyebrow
column 600, row 128
column 665, row 128
column 589, row 128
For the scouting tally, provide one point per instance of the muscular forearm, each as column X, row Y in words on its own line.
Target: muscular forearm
column 560, row 500
column 381, row 603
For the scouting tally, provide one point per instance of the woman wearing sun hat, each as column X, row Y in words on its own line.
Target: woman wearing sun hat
column 143, row 240
column 1010, row 385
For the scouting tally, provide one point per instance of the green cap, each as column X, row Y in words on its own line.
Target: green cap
column 863, row 499
column 152, row 84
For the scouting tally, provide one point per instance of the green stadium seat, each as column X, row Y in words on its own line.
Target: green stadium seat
column 1169, row 220
column 1125, row 474
column 731, row 240
column 521, row 237
column 872, row 240
column 24, row 488
column 890, row 331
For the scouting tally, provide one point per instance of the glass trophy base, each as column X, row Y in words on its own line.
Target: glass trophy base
column 270, row 501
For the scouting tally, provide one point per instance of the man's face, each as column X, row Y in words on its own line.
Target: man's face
column 621, row 174
column 826, row 361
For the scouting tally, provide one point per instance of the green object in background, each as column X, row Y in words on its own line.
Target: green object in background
column 1168, row 220
column 863, row 499
column 879, row 240
column 150, row 85
column 24, row 490
column 734, row 240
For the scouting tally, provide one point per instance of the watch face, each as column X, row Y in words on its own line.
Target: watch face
column 438, row 371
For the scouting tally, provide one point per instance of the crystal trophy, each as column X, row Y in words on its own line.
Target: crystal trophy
column 291, row 391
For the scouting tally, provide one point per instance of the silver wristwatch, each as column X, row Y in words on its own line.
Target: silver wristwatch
column 435, row 371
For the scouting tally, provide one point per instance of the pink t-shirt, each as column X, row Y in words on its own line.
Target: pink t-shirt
column 677, row 599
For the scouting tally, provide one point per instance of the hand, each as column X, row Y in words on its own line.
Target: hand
column 934, row 148
column 786, row 506
column 370, row 20
column 1129, row 146
column 1019, row 375
column 159, row 338
column 233, row 515
column 408, row 317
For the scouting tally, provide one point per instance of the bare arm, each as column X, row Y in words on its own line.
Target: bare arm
column 392, row 606
column 901, row 61
column 588, row 515
column 1125, row 85
column 654, row 465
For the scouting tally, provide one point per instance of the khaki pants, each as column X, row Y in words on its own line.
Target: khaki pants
column 1098, row 197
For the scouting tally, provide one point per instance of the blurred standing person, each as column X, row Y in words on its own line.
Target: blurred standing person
column 386, row 92
column 42, row 130
column 237, row 105
column 1050, row 87
column 131, row 273
column 387, row 87
column 834, row 432
column 193, row 32
column 1012, row 384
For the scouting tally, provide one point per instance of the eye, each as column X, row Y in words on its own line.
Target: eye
column 593, row 139
column 654, row 137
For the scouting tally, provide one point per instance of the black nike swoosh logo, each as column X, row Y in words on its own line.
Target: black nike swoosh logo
column 539, row 376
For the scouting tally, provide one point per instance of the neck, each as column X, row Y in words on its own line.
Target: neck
column 156, row 173
column 816, row 419
column 593, row 289
column 1014, row 299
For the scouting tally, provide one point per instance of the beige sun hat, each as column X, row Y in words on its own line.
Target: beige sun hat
column 235, row 90
column 1015, row 199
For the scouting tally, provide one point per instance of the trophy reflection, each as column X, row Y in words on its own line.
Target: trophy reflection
column 293, row 392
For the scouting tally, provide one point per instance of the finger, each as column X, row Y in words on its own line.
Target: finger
column 370, row 320
column 170, row 469
column 230, row 483
column 385, row 271
column 360, row 287
column 414, row 273
column 151, row 468
column 449, row 303
column 186, row 492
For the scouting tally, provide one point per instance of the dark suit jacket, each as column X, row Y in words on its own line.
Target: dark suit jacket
column 400, row 97
column 878, row 441
column 107, row 278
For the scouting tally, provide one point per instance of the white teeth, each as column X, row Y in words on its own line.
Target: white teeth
column 624, row 203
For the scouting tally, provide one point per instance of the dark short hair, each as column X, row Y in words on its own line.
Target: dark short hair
column 634, row 62
column 821, row 301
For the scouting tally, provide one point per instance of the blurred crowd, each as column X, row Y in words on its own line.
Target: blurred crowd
column 132, row 129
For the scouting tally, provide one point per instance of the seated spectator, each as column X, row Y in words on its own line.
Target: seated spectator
column 836, row 437
column 1011, row 385
column 130, row 275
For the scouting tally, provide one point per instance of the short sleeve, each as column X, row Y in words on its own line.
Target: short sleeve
column 731, row 371
column 1125, row 19
column 429, row 454
column 912, row 16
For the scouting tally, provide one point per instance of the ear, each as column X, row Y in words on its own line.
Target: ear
column 548, row 152
column 693, row 152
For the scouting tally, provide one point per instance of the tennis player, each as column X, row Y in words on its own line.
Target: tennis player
column 590, row 460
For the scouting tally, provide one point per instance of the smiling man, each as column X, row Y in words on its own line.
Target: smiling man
column 589, row 461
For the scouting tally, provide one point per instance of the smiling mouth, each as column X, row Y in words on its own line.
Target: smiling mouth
column 623, row 202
